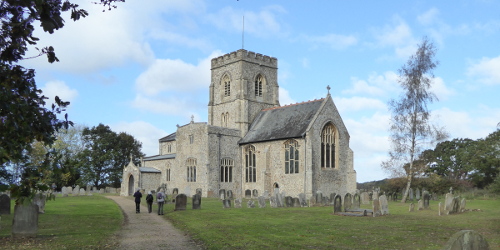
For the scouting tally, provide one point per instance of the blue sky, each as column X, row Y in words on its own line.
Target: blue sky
column 144, row 67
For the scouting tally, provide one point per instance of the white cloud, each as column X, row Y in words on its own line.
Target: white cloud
column 59, row 88
column 398, row 35
column 144, row 132
column 285, row 98
column 440, row 89
column 334, row 41
column 429, row 17
column 357, row 103
column 487, row 70
column 375, row 85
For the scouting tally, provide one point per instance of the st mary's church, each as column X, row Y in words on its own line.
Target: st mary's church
column 250, row 142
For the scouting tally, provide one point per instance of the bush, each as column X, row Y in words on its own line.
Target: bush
column 495, row 186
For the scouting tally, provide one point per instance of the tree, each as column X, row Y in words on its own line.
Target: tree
column 410, row 128
column 105, row 155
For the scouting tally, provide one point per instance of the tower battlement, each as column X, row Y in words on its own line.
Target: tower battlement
column 248, row 56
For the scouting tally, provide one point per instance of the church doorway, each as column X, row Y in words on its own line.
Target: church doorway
column 276, row 187
column 131, row 185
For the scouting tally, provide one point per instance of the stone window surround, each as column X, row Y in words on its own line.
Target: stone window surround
column 329, row 147
column 226, row 170
column 227, row 85
column 291, row 157
column 259, row 82
column 191, row 170
column 250, row 165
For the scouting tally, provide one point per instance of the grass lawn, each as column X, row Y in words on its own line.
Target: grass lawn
column 81, row 222
column 88, row 222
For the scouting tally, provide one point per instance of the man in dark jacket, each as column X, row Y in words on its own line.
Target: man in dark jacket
column 138, row 196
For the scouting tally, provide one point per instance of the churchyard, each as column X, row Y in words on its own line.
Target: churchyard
column 90, row 221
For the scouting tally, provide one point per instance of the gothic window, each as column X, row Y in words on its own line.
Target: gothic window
column 328, row 144
column 167, row 173
column 250, row 169
column 226, row 170
column 191, row 170
column 227, row 86
column 258, row 85
column 169, row 148
column 291, row 157
column 225, row 119
column 191, row 139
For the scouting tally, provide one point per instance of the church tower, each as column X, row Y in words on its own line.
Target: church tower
column 243, row 83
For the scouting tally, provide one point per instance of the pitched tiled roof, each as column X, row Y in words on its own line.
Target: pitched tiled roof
column 159, row 157
column 149, row 170
column 280, row 123
column 170, row 137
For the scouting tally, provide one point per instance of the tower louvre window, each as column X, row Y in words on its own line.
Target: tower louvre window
column 227, row 86
column 258, row 85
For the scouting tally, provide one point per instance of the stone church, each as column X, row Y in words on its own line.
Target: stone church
column 250, row 142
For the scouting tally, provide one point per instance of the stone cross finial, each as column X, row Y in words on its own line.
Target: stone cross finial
column 451, row 190
column 328, row 88
column 192, row 118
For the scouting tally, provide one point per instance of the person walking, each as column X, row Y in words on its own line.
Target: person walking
column 149, row 200
column 138, row 196
column 160, row 198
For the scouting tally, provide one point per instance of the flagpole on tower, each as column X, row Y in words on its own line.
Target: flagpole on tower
column 243, row 35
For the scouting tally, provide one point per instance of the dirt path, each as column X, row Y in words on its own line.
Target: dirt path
column 148, row 230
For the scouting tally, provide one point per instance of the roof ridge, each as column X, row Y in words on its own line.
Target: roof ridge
column 294, row 104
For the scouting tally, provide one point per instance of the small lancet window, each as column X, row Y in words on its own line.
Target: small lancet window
column 258, row 85
column 227, row 86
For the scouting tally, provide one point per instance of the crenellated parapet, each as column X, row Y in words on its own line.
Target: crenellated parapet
column 247, row 56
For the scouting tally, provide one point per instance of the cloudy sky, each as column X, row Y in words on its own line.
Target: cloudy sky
column 144, row 67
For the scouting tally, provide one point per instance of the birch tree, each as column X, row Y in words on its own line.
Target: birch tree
column 410, row 127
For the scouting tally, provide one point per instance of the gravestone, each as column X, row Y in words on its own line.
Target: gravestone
column 337, row 204
column 76, row 190
column 255, row 193
column 227, row 203
column 64, row 192
column 180, row 202
column 426, row 197
column 222, row 194
column 4, row 204
column 375, row 195
column 196, row 201
column 82, row 191
column 356, row 201
column 325, row 201
column 302, row 200
column 288, row 201
column 272, row 202
column 39, row 200
column 266, row 194
column 370, row 196
column 440, row 208
column 384, row 205
column 448, row 203
column 237, row 203
column 319, row 197
column 420, row 204
column 467, row 240
column 365, row 198
column 25, row 222
column 417, row 194
column 229, row 194
column 347, row 202
column 332, row 198
column 198, row 191
column 462, row 205
column 411, row 197
column 376, row 208
column 262, row 202
column 248, row 194
column 250, row 204
column 412, row 207
column 279, row 200
column 101, row 191
column 296, row 202
column 456, row 206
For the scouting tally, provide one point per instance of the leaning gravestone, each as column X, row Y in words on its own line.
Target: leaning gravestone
column 222, row 194
column 272, row 202
column 347, row 202
column 39, row 200
column 197, row 201
column 384, row 205
column 262, row 202
column 250, row 204
column 467, row 239
column 76, row 190
column 376, row 208
column 229, row 194
column 226, row 203
column 237, row 203
column 25, row 222
column 420, row 204
column 180, row 202
column 4, row 204
column 426, row 197
column 337, row 204
column 462, row 205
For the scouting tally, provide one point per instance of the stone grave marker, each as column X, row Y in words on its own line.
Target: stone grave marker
column 180, row 202
column 467, row 239
column 365, row 198
column 456, row 206
column 272, row 202
column 347, row 202
column 248, row 194
column 412, row 207
column 384, row 205
column 417, row 194
column 279, row 200
column 229, row 194
column 332, row 198
column 426, row 197
column 262, row 202
column 25, row 222
column 175, row 192
column 411, row 196
column 255, row 193
column 39, row 200
column 296, row 202
column 101, row 191
column 250, row 204
column 63, row 191
column 462, row 205
column 198, row 191
column 222, row 194
column 440, row 208
column 226, row 203
column 288, row 201
column 76, row 190
column 82, row 191
column 302, row 200
column 337, row 204
column 196, row 201
column 356, row 201
column 370, row 196
column 237, row 203
column 375, row 195
column 420, row 204
column 4, row 204
column 448, row 202
column 376, row 208
column 319, row 197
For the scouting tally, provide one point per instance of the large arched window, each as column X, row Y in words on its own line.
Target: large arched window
column 291, row 157
column 328, row 145
column 250, row 169
column 226, row 170
column 191, row 170
column 258, row 85
column 227, row 85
